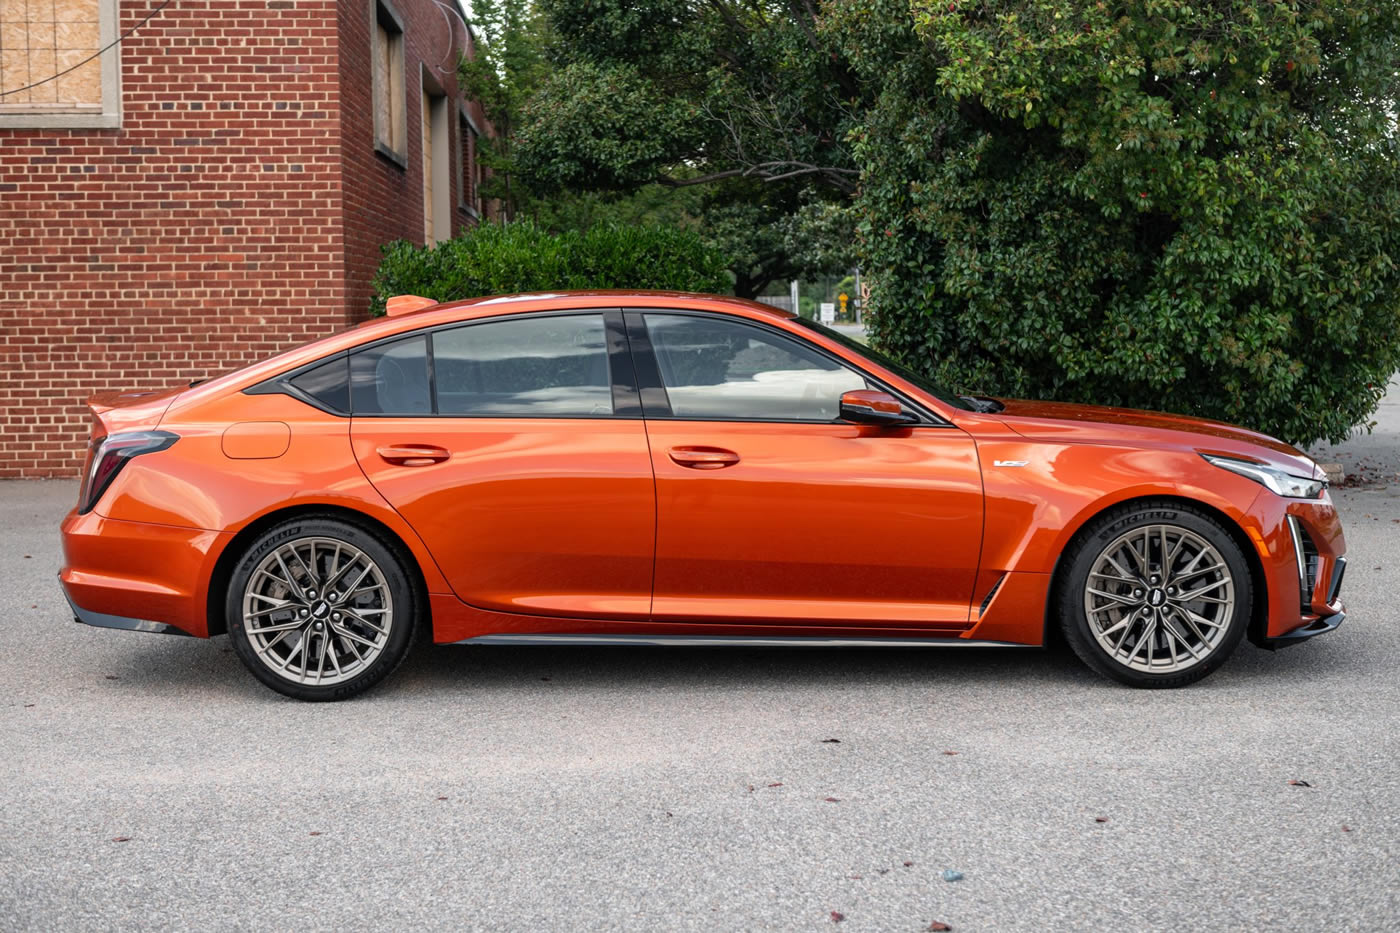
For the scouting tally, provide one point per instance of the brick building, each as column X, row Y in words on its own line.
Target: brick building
column 213, row 188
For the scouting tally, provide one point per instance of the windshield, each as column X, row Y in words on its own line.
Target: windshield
column 893, row 365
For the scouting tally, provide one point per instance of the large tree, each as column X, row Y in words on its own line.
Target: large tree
column 1186, row 206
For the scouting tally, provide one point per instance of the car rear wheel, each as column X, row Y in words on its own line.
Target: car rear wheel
column 1155, row 595
column 320, row 609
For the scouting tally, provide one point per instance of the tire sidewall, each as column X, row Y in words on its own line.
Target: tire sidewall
column 400, row 590
column 1074, row 620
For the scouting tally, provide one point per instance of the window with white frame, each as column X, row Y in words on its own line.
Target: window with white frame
column 60, row 66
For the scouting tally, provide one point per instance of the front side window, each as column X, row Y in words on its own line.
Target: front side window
column 391, row 378
column 719, row 370
column 553, row 366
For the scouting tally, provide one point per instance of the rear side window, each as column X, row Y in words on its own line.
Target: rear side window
column 552, row 366
column 391, row 378
column 328, row 384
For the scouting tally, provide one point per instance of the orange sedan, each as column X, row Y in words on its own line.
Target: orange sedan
column 662, row 468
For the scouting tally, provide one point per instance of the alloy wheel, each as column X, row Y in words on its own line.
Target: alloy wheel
column 317, row 611
column 1159, row 598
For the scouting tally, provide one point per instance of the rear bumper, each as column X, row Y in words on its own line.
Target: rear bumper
column 137, row 575
column 102, row 620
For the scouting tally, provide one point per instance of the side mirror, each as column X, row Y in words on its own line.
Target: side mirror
column 868, row 406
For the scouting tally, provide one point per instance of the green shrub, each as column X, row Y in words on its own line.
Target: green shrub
column 500, row 259
column 1169, row 205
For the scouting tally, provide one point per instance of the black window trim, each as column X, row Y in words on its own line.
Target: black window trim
column 656, row 404
column 620, row 365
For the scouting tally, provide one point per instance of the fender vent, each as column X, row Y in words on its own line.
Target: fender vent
column 987, row 600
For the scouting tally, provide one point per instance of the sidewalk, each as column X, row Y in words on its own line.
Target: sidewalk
column 1369, row 459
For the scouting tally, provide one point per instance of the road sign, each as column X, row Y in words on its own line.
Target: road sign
column 828, row 312
column 843, row 298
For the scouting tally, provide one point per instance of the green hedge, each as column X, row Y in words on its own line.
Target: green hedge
column 500, row 259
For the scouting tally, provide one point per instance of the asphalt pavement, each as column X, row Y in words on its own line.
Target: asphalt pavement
column 148, row 782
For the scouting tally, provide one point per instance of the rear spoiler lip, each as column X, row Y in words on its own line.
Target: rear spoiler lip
column 125, row 411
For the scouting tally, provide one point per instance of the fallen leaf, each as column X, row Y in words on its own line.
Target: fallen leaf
column 837, row 916
column 1297, row 783
column 776, row 784
column 668, row 812
column 908, row 864
column 315, row 833
column 751, row 788
column 950, row 753
column 26, row 557
column 855, row 877
column 113, row 677
column 442, row 798
column 1346, row 829
column 831, row 741
column 936, row 927
column 114, row 838
column 27, row 705
column 882, row 871
column 34, row 606
column 833, row 800
column 1100, row 819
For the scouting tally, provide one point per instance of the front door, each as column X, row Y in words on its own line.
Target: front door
column 770, row 510
column 501, row 443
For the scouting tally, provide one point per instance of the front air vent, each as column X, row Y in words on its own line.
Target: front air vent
column 1306, row 552
column 987, row 600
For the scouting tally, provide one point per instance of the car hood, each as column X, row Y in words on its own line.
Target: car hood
column 1064, row 420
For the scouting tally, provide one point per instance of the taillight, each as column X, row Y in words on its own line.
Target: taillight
column 110, row 454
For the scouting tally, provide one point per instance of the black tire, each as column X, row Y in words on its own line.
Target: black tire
column 1156, row 619
column 351, row 636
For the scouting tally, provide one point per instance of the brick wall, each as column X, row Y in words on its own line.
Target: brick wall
column 383, row 200
column 237, row 212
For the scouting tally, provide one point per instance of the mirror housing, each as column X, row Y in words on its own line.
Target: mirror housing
column 870, row 406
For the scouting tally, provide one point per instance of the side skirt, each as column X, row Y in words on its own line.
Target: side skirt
column 744, row 641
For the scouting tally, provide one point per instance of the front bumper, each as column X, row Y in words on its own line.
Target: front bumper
column 1319, row 626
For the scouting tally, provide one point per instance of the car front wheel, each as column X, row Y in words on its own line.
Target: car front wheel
column 320, row 609
column 1155, row 595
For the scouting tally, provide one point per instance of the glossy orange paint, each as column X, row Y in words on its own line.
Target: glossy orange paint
column 625, row 525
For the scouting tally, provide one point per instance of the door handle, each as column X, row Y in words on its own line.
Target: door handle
column 413, row 455
column 704, row 458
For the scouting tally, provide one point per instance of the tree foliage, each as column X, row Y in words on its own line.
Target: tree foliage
column 1183, row 206
column 498, row 259
column 728, row 105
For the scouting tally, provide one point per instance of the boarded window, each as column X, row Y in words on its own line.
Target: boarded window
column 50, row 64
column 390, row 122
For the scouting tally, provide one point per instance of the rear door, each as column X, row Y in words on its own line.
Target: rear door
column 515, row 448
column 770, row 510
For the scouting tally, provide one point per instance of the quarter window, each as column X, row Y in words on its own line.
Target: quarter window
column 544, row 366
column 391, row 378
column 719, row 370
column 327, row 384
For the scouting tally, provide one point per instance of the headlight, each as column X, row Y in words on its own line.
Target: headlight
column 1272, row 478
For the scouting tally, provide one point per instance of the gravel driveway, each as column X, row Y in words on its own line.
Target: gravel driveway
column 149, row 782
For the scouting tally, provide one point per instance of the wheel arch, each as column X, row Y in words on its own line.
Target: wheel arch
column 228, row 558
column 1259, row 609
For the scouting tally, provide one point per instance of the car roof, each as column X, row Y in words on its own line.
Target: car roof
column 434, row 315
column 598, row 298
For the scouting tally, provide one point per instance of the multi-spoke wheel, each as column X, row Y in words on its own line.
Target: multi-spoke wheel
column 319, row 609
column 1155, row 595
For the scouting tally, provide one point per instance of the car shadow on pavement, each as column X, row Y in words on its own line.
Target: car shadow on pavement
column 167, row 666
